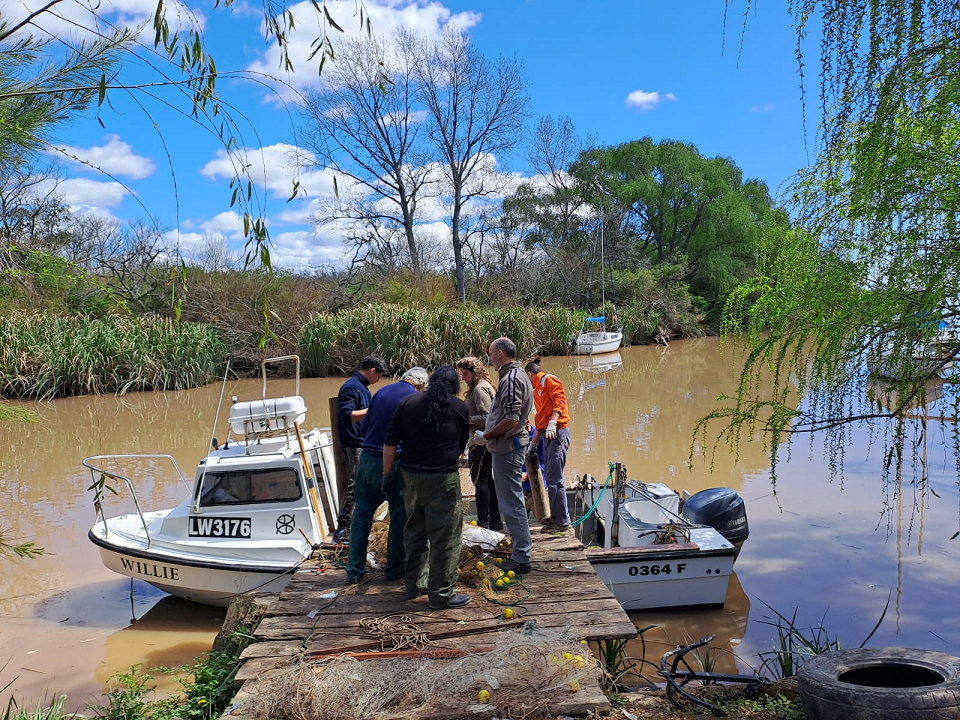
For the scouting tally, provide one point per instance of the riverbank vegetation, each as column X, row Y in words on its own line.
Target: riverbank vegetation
column 46, row 356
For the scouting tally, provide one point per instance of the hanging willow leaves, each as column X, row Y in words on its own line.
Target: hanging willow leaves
column 867, row 274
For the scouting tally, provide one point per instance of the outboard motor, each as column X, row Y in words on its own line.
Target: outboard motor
column 722, row 509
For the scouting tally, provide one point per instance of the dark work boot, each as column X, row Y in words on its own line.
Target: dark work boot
column 454, row 602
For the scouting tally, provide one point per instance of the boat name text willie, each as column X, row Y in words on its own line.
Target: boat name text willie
column 151, row 570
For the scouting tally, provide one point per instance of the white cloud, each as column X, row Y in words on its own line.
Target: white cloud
column 427, row 17
column 761, row 108
column 84, row 193
column 305, row 249
column 647, row 100
column 114, row 157
column 274, row 167
column 186, row 242
column 74, row 19
column 228, row 223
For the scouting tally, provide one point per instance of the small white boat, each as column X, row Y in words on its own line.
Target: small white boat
column 253, row 516
column 597, row 342
column 652, row 552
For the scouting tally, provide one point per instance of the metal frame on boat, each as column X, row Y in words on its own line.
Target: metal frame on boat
column 254, row 515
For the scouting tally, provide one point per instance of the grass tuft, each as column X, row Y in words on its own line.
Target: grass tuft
column 45, row 357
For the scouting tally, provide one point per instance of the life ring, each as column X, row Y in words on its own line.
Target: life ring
column 880, row 684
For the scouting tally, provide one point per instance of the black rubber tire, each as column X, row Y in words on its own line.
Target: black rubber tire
column 825, row 697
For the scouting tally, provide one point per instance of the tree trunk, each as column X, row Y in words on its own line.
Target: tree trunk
column 458, row 249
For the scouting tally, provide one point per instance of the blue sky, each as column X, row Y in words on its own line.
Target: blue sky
column 619, row 70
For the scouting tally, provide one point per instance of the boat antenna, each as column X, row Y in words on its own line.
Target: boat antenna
column 213, row 430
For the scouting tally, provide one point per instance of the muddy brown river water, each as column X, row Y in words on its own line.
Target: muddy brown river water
column 835, row 550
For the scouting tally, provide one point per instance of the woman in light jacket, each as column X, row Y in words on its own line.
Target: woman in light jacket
column 479, row 397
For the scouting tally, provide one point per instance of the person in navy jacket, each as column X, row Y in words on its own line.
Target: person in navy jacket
column 352, row 403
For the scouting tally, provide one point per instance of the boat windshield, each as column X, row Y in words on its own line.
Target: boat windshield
column 250, row 486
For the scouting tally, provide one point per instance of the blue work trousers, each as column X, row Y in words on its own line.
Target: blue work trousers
column 367, row 498
column 554, row 460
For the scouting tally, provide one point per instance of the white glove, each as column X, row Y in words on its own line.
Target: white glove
column 551, row 432
column 478, row 438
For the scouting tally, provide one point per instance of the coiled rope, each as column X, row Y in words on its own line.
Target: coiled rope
column 401, row 634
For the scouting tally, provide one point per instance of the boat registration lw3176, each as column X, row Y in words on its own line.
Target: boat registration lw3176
column 219, row 527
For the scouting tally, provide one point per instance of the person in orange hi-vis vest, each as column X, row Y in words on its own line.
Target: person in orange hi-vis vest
column 551, row 422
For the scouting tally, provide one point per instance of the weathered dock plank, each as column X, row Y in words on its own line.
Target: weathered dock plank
column 320, row 613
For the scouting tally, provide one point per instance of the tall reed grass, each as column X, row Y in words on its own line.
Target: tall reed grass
column 409, row 335
column 43, row 356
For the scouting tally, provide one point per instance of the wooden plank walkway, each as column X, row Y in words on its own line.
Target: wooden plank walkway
column 565, row 595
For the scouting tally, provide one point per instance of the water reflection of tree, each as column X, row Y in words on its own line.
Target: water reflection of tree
column 905, row 481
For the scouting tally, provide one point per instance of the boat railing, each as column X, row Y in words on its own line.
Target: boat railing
column 263, row 371
column 94, row 465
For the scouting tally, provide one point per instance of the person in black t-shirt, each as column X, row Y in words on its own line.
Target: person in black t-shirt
column 434, row 427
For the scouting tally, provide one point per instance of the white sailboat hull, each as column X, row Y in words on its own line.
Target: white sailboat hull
column 596, row 343
column 893, row 368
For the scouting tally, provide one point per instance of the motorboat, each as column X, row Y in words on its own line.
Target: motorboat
column 654, row 548
column 259, row 504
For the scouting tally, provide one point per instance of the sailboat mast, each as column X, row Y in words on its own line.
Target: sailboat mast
column 603, row 289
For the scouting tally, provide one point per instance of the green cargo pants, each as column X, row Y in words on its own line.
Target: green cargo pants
column 434, row 516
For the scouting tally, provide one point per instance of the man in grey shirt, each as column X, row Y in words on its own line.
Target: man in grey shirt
column 506, row 437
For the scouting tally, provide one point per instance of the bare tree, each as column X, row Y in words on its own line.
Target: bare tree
column 553, row 147
column 477, row 109
column 213, row 254
column 367, row 127
column 31, row 211
column 131, row 262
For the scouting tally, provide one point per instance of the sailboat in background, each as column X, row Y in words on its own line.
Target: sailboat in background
column 599, row 340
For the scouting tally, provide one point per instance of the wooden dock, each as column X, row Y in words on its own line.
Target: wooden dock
column 308, row 622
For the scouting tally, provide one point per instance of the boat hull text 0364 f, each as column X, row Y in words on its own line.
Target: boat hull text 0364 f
column 653, row 554
column 259, row 504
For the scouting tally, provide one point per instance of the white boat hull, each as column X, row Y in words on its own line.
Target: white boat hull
column 597, row 343
column 204, row 582
column 892, row 368
column 655, row 577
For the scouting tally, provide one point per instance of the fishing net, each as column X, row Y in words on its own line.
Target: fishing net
column 517, row 673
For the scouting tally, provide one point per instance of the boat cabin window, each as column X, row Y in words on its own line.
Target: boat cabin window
column 248, row 486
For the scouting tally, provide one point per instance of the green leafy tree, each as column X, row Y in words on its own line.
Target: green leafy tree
column 871, row 269
column 665, row 201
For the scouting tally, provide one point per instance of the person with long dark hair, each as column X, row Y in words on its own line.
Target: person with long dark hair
column 434, row 427
column 479, row 398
